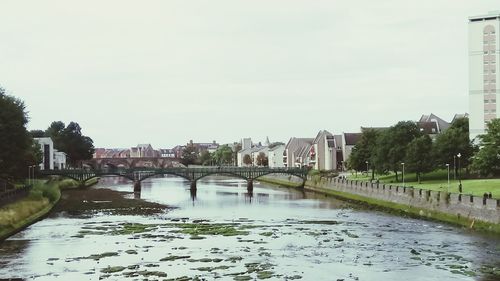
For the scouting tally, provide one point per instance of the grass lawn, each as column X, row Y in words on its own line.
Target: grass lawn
column 438, row 180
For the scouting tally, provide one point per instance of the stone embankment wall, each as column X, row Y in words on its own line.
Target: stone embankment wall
column 460, row 205
column 423, row 202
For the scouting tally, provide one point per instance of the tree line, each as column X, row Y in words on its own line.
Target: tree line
column 18, row 148
column 385, row 150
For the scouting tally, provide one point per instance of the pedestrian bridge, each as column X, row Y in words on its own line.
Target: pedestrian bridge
column 137, row 175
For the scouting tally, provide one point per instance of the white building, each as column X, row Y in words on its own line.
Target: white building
column 51, row 158
column 484, row 69
column 275, row 156
column 47, row 147
column 59, row 160
column 257, row 151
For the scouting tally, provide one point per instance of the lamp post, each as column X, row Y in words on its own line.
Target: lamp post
column 448, row 188
column 366, row 168
column 459, row 177
column 454, row 167
column 403, row 164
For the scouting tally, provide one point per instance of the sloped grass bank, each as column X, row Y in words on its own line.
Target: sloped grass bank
column 42, row 198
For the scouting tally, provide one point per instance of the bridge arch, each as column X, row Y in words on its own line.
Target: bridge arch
column 222, row 173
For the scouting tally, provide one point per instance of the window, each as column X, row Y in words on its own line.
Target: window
column 486, row 101
column 493, row 101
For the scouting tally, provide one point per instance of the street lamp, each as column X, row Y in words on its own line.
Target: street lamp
column 454, row 167
column 366, row 168
column 448, row 188
column 31, row 174
column 459, row 178
column 403, row 163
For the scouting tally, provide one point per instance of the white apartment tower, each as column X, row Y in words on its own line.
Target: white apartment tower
column 484, row 69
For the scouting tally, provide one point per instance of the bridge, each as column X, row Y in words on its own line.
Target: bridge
column 137, row 175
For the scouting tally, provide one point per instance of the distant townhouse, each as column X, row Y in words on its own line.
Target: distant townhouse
column 255, row 154
column 296, row 152
column 167, row 153
column 275, row 156
column 432, row 125
column 240, row 156
column 142, row 151
column 323, row 153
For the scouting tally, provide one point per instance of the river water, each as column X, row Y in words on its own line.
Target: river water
column 223, row 232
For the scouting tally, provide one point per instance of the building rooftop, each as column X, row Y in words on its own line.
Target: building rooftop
column 490, row 16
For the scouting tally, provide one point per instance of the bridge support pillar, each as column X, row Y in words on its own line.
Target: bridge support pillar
column 137, row 186
column 250, row 186
column 193, row 185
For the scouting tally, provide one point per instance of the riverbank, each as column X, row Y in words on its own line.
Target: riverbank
column 43, row 197
column 468, row 211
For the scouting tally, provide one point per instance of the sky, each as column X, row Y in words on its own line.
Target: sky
column 166, row 72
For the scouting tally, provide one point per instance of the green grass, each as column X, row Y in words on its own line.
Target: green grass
column 438, row 180
column 42, row 197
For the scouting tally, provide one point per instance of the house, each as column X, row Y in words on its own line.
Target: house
column 47, row 147
column 142, row 151
column 348, row 142
column 275, row 156
column 241, row 155
column 167, row 153
column 255, row 154
column 323, row 153
column 296, row 152
column 459, row 116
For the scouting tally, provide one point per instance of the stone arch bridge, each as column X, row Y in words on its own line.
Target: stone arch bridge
column 131, row 162
column 137, row 175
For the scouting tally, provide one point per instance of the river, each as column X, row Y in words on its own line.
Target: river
column 223, row 232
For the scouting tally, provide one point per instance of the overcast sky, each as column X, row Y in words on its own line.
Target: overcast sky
column 165, row 72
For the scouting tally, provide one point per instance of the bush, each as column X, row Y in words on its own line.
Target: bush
column 51, row 192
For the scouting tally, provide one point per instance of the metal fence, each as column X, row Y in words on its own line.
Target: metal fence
column 9, row 193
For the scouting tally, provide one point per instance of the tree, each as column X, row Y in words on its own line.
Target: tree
column 205, row 158
column 17, row 148
column 363, row 151
column 189, row 155
column 223, row 155
column 419, row 156
column 392, row 145
column 71, row 141
column 453, row 141
column 247, row 159
column 487, row 160
column 262, row 159
column 37, row 134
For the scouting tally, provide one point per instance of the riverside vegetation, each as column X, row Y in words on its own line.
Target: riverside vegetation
column 41, row 199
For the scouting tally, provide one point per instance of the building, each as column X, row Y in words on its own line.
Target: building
column 296, row 153
column 59, row 160
column 167, row 153
column 51, row 158
column 257, row 151
column 47, row 147
column 275, row 156
column 246, row 143
column 323, row 154
column 348, row 142
column 142, row 151
column 432, row 125
column 241, row 155
column 484, row 71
